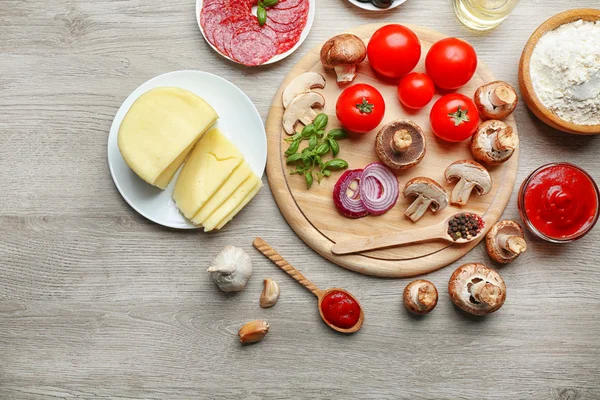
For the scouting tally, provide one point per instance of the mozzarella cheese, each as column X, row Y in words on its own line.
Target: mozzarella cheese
column 240, row 206
column 207, row 169
column 160, row 129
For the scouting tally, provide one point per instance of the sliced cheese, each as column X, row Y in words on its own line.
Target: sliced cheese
column 233, row 204
column 160, row 129
column 239, row 176
column 208, row 167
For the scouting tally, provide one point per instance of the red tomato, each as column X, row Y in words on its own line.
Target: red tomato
column 360, row 108
column 451, row 63
column 394, row 50
column 416, row 90
column 454, row 117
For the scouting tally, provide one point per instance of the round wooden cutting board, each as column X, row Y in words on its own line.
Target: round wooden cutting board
column 312, row 214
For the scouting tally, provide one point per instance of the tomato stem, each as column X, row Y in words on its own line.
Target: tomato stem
column 365, row 107
column 459, row 116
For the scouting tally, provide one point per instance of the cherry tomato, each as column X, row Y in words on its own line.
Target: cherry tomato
column 415, row 90
column 360, row 108
column 454, row 117
column 451, row 63
column 394, row 50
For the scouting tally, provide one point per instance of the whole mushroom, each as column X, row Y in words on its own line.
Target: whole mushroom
column 505, row 241
column 343, row 53
column 427, row 193
column 470, row 175
column 496, row 100
column 400, row 144
column 420, row 297
column 494, row 142
column 477, row 289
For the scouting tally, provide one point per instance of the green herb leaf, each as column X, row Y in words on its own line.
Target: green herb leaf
column 309, row 179
column 459, row 116
column 365, row 107
column 321, row 132
column 293, row 158
column 336, row 134
column 308, row 131
column 336, row 163
column 306, row 160
column 312, row 142
column 327, row 172
column 318, row 160
column 261, row 14
column 321, row 121
column 322, row 148
column 269, row 3
column 335, row 147
column 293, row 148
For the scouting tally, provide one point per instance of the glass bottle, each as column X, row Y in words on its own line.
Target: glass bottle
column 482, row 15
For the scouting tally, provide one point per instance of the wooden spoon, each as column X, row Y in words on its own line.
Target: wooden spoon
column 272, row 255
column 433, row 232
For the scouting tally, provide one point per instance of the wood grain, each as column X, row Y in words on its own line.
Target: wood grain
column 312, row 214
column 98, row 303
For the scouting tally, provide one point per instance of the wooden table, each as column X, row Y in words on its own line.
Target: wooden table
column 97, row 302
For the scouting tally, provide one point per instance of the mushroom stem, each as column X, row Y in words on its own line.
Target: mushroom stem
column 418, row 208
column 501, row 95
column 462, row 192
column 485, row 292
column 307, row 117
column 426, row 296
column 504, row 139
column 345, row 73
column 512, row 243
column 401, row 141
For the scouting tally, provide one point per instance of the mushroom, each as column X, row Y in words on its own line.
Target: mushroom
column 494, row 142
column 477, row 289
column 400, row 144
column 496, row 100
column 505, row 241
column 420, row 297
column 342, row 53
column 300, row 109
column 303, row 83
column 428, row 193
column 470, row 175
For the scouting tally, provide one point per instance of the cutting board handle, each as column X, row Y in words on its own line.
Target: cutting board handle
column 272, row 255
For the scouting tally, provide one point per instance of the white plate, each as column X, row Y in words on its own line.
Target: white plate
column 369, row 6
column 278, row 57
column 239, row 121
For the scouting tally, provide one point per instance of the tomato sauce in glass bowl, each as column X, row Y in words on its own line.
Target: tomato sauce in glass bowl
column 559, row 202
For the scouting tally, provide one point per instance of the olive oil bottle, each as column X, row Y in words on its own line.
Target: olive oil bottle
column 482, row 15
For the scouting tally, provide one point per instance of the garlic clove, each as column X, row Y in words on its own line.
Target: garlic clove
column 253, row 331
column 270, row 293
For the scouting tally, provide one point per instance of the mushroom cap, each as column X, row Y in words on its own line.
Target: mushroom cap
column 303, row 83
column 420, row 296
column 400, row 160
column 482, row 142
column 344, row 49
column 426, row 187
column 497, row 253
column 465, row 277
column 486, row 109
column 471, row 171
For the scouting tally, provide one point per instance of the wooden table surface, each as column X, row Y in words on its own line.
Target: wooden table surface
column 97, row 302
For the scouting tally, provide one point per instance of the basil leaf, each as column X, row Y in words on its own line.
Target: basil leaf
column 321, row 121
column 336, row 163
column 335, row 147
column 261, row 14
column 312, row 142
column 293, row 148
column 309, row 179
column 308, row 131
column 293, row 157
column 337, row 134
column 269, row 3
column 327, row 172
column 322, row 149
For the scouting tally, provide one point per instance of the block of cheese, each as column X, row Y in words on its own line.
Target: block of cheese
column 160, row 129
column 208, row 167
column 239, row 176
column 233, row 204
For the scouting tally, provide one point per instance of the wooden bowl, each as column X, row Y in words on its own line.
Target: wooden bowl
column 527, row 91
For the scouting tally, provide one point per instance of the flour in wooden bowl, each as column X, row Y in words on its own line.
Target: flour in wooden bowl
column 565, row 72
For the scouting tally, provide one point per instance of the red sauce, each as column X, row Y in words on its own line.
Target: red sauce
column 340, row 309
column 561, row 201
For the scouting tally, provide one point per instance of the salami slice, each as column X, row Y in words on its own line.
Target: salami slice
column 289, row 15
column 252, row 48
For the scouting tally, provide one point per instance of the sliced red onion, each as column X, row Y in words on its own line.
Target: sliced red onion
column 346, row 194
column 379, row 188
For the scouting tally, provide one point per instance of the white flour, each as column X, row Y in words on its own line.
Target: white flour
column 565, row 71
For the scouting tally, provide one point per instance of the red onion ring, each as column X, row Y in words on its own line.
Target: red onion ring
column 379, row 188
column 351, row 207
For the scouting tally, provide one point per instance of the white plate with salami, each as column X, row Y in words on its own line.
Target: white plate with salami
column 370, row 4
column 232, row 29
column 238, row 120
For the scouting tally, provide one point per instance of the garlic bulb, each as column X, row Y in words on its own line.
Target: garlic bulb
column 231, row 269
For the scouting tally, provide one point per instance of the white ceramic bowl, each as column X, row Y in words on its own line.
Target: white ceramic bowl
column 370, row 7
column 278, row 57
column 238, row 120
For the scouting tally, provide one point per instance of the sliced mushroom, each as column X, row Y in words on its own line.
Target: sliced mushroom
column 342, row 53
column 470, row 175
column 494, row 142
column 420, row 297
column 400, row 144
column 428, row 193
column 496, row 100
column 477, row 289
column 303, row 83
column 505, row 241
column 300, row 109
